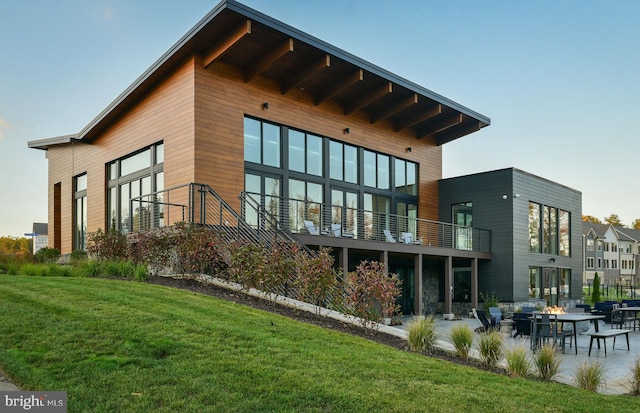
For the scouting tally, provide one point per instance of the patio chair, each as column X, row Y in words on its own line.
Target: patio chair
column 389, row 237
column 548, row 331
column 496, row 315
column 522, row 324
column 481, row 318
column 311, row 228
column 335, row 229
column 622, row 319
column 407, row 238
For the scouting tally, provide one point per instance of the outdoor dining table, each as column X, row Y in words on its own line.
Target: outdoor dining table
column 573, row 318
column 635, row 311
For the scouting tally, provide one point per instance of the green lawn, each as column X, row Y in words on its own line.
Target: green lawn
column 123, row 346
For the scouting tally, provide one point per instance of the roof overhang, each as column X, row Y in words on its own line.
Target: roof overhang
column 45, row 144
column 257, row 44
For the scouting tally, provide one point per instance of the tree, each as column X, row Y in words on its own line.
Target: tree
column 636, row 224
column 595, row 293
column 590, row 218
column 614, row 220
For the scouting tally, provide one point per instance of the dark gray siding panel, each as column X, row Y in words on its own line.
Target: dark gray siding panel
column 501, row 204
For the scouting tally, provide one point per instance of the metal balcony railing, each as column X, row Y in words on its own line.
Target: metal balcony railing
column 305, row 217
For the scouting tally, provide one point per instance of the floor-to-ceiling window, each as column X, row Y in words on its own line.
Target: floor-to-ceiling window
column 80, row 212
column 463, row 221
column 328, row 182
column 549, row 284
column 134, row 175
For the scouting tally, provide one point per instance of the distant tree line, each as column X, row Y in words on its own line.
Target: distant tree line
column 612, row 219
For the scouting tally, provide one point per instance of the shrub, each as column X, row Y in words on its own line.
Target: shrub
column 518, row 362
column 199, row 250
column 633, row 382
column 245, row 265
column 278, row 268
column 590, row 376
column 422, row 335
column 372, row 293
column 77, row 257
column 547, row 362
column 490, row 347
column 490, row 300
column 47, row 254
column 317, row 281
column 156, row 248
column 595, row 293
column 107, row 246
column 462, row 338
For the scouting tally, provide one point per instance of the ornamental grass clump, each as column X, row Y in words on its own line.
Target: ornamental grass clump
column 547, row 362
column 422, row 335
column 590, row 376
column 462, row 338
column 490, row 347
column 634, row 378
column 518, row 362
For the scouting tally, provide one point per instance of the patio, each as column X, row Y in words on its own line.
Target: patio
column 617, row 363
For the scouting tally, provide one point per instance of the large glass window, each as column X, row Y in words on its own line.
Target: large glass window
column 305, row 153
column 262, row 142
column 405, row 173
column 80, row 212
column 534, row 227
column 549, row 230
column 343, row 163
column 133, row 176
column 266, row 192
column 305, row 203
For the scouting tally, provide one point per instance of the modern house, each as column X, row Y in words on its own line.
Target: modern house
column 40, row 236
column 342, row 153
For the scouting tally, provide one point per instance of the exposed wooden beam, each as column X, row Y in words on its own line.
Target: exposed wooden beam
column 368, row 98
column 339, row 86
column 457, row 132
column 408, row 122
column 232, row 38
column 265, row 62
column 394, row 108
column 439, row 125
column 311, row 70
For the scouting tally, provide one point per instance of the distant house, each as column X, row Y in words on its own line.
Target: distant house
column 41, row 236
column 342, row 153
column 613, row 252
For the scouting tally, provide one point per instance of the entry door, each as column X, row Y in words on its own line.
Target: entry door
column 550, row 285
column 344, row 210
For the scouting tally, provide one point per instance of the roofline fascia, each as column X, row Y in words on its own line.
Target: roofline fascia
column 289, row 30
column 350, row 58
column 44, row 144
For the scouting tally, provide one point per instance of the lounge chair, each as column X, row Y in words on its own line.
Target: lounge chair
column 311, row 228
column 407, row 238
column 389, row 237
column 481, row 318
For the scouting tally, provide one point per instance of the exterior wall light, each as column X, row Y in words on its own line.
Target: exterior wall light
column 265, row 105
column 346, row 130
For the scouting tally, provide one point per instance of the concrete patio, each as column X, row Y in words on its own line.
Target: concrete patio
column 617, row 364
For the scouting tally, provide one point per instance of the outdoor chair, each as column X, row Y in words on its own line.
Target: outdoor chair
column 622, row 319
column 547, row 330
column 389, row 237
column 311, row 228
column 496, row 315
column 481, row 317
column 407, row 238
column 522, row 324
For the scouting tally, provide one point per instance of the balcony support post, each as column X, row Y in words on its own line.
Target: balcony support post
column 474, row 283
column 418, row 303
column 448, row 288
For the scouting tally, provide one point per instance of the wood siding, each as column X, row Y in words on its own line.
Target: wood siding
column 199, row 113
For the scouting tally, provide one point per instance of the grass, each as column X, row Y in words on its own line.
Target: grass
column 422, row 334
column 132, row 347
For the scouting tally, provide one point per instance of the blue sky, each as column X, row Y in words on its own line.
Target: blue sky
column 560, row 80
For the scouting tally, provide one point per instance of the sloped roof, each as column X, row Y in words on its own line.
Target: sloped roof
column 628, row 234
column 260, row 45
column 599, row 230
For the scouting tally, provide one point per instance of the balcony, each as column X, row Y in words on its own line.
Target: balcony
column 312, row 218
